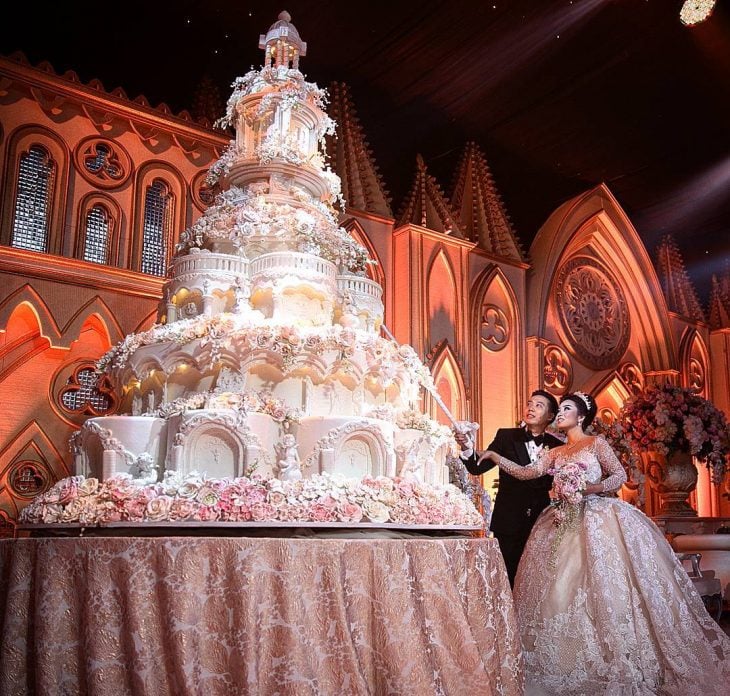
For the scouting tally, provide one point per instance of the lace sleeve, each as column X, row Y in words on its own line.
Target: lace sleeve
column 531, row 471
column 609, row 465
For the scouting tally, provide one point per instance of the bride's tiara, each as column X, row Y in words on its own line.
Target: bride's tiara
column 584, row 398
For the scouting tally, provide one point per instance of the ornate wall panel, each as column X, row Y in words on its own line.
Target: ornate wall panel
column 495, row 328
column 557, row 370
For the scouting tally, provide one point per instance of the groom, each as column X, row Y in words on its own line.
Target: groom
column 518, row 503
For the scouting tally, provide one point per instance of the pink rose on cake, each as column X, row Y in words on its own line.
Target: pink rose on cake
column 375, row 511
column 189, row 488
column 349, row 512
column 206, row 513
column 121, row 487
column 277, row 499
column 50, row 513
column 88, row 486
column 182, row 509
column 262, row 511
column 158, row 509
column 207, row 496
column 108, row 511
column 321, row 513
column 68, row 489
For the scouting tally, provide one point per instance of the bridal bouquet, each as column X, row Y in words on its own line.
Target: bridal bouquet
column 569, row 482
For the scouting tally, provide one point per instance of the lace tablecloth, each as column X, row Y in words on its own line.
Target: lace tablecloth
column 203, row 615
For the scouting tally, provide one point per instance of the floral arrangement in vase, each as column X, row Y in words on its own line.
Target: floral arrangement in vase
column 669, row 419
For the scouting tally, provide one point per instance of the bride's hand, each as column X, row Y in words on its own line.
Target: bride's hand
column 488, row 455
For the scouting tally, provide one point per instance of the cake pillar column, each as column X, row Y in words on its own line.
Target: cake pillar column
column 327, row 461
column 171, row 312
column 108, row 464
column 208, row 306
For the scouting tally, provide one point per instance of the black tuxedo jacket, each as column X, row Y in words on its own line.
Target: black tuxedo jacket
column 518, row 503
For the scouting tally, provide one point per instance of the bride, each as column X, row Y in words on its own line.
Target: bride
column 603, row 604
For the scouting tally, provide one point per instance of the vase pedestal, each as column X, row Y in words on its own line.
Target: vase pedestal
column 673, row 479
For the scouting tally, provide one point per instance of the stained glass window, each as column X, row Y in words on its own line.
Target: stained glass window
column 96, row 238
column 36, row 176
column 156, row 229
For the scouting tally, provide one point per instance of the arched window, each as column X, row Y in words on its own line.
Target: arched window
column 97, row 230
column 33, row 196
column 156, row 228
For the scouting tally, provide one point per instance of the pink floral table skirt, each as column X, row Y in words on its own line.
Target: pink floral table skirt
column 202, row 615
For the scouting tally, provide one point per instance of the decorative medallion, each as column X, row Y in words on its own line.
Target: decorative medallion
column 102, row 162
column 28, row 479
column 495, row 328
column 593, row 312
column 557, row 370
column 632, row 377
column 203, row 194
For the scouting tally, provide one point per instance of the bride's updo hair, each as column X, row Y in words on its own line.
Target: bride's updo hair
column 586, row 406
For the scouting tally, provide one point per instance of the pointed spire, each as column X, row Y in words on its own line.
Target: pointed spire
column 351, row 157
column 427, row 206
column 678, row 289
column 720, row 302
column 484, row 218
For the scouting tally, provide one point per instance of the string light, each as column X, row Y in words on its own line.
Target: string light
column 696, row 11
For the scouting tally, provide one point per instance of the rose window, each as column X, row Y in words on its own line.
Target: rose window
column 592, row 312
column 103, row 163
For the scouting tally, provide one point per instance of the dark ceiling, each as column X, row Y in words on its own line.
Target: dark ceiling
column 560, row 94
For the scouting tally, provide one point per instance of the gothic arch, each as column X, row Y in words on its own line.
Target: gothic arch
column 20, row 140
column 594, row 225
column 694, row 362
column 442, row 299
column 449, row 381
column 26, row 295
column 106, row 321
column 30, row 443
column 496, row 367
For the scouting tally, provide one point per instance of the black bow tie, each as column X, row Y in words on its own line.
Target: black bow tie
column 537, row 439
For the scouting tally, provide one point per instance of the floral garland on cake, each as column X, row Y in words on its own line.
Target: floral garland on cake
column 385, row 357
column 239, row 215
column 292, row 87
column 196, row 498
column 246, row 401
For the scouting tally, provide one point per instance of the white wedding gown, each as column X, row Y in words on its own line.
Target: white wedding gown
column 615, row 612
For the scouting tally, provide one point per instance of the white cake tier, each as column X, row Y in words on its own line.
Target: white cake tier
column 284, row 286
column 229, row 443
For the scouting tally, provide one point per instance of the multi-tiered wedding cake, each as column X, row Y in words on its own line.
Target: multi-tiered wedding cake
column 266, row 371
